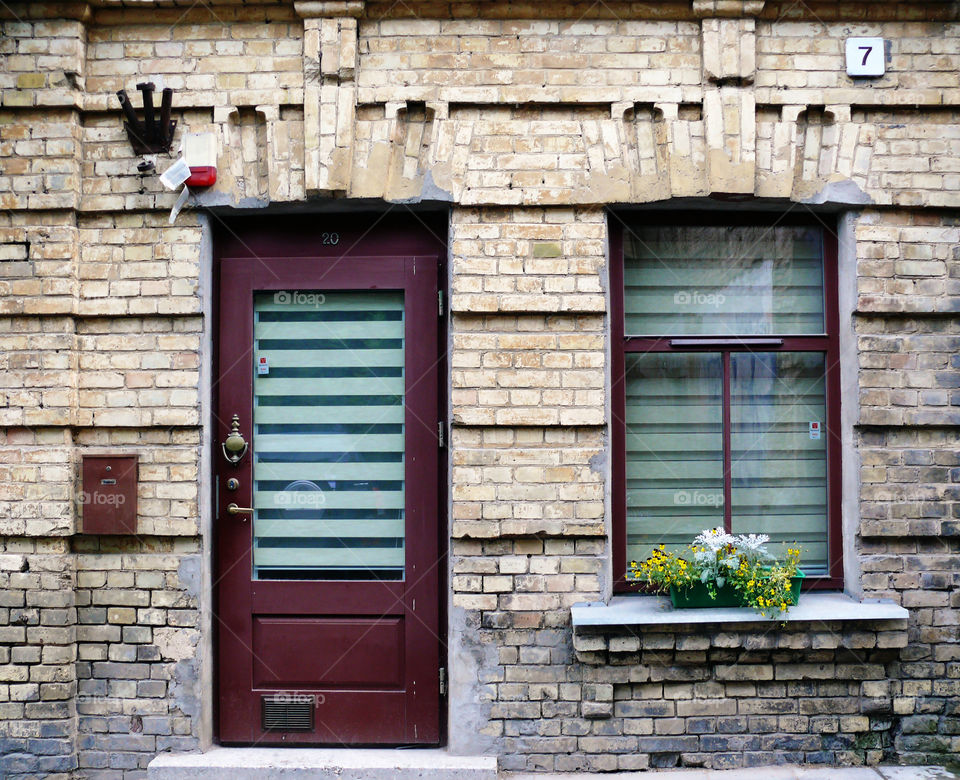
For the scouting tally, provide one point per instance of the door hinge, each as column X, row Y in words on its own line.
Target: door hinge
column 439, row 303
column 441, row 434
column 443, row 681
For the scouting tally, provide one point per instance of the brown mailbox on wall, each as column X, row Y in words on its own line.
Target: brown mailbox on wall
column 109, row 495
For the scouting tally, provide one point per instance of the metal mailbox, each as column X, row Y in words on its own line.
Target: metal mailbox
column 109, row 495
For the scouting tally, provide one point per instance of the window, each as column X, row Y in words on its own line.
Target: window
column 726, row 385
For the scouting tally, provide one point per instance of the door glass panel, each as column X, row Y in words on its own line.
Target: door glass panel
column 328, row 435
column 723, row 281
column 779, row 450
column 674, row 448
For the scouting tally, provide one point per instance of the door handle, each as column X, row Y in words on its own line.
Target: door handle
column 233, row 509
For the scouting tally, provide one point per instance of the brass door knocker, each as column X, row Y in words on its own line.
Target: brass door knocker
column 235, row 447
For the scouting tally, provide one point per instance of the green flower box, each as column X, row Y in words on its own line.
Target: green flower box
column 698, row 597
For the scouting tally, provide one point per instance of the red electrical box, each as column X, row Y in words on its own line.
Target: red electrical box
column 109, row 494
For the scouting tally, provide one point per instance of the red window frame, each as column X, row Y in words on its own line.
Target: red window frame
column 828, row 344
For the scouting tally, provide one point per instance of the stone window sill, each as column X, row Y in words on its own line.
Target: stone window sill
column 657, row 611
column 629, row 625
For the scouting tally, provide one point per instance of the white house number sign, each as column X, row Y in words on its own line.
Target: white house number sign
column 865, row 56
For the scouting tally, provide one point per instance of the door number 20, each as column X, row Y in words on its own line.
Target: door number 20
column 865, row 57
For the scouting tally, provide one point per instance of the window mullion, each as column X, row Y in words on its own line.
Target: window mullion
column 727, row 458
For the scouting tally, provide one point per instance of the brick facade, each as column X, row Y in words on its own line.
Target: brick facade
column 536, row 126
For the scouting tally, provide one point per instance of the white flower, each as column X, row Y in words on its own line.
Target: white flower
column 751, row 541
column 714, row 539
column 751, row 546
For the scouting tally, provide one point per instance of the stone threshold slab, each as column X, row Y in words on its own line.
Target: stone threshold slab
column 281, row 763
column 657, row 611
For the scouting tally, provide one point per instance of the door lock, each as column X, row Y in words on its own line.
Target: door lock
column 233, row 483
column 233, row 509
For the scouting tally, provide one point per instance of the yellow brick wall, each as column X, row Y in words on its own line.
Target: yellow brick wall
column 528, row 481
column 137, row 264
column 44, row 61
column 520, row 60
column 528, row 260
column 39, row 158
column 810, row 56
column 210, row 59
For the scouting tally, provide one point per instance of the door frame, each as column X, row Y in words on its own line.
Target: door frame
column 388, row 234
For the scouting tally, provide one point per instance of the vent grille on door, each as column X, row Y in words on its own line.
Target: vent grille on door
column 285, row 715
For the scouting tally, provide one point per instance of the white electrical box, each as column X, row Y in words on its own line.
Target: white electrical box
column 200, row 153
column 866, row 57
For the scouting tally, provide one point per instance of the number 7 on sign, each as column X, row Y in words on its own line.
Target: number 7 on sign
column 865, row 57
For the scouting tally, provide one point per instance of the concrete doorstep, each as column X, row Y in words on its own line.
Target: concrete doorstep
column 274, row 763
column 436, row 764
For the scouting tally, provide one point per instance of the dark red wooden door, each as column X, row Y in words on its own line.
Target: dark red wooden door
column 327, row 575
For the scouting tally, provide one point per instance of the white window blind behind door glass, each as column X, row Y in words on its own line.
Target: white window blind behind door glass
column 329, row 435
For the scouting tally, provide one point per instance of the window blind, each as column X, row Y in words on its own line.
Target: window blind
column 778, row 444
column 721, row 281
column 674, row 463
column 329, row 435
